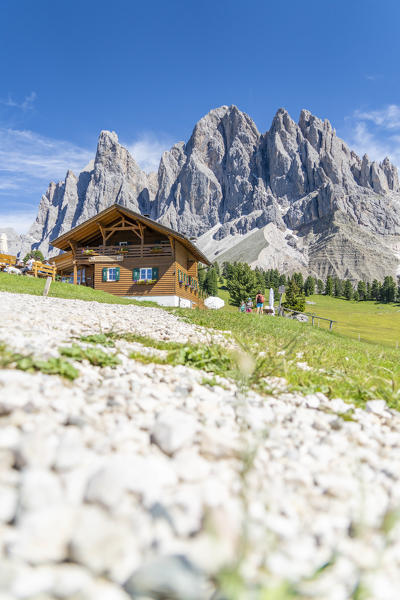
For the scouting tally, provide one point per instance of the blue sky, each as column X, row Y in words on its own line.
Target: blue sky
column 150, row 70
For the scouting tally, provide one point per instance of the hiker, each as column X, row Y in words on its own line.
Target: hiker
column 242, row 307
column 259, row 302
column 28, row 266
column 249, row 305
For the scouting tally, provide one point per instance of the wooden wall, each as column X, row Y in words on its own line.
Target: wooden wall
column 186, row 263
column 165, row 286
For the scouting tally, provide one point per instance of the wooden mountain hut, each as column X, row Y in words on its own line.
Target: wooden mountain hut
column 127, row 254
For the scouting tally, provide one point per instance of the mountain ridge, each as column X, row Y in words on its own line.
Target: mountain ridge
column 324, row 202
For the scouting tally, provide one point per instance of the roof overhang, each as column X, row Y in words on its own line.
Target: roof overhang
column 90, row 228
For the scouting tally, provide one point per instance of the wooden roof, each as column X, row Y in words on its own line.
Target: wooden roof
column 90, row 228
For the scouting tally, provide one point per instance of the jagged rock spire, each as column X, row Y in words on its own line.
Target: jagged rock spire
column 230, row 179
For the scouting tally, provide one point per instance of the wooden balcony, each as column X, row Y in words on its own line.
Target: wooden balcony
column 94, row 254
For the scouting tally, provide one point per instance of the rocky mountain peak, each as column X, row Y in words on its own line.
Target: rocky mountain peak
column 229, row 180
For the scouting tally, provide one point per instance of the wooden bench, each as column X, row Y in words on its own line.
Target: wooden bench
column 42, row 270
column 7, row 260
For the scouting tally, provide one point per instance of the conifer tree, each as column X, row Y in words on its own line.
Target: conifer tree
column 309, row 286
column 362, row 290
column 202, row 274
column 294, row 297
column 337, row 287
column 320, row 286
column 211, row 282
column 260, row 280
column 388, row 290
column 375, row 290
column 329, row 286
column 242, row 284
column 282, row 279
column 348, row 289
column 298, row 277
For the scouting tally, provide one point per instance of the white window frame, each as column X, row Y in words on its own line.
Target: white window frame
column 144, row 273
column 114, row 269
column 123, row 243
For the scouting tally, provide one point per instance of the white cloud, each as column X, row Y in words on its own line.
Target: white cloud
column 28, row 162
column 388, row 117
column 26, row 104
column 376, row 133
column 20, row 221
column 26, row 153
column 147, row 150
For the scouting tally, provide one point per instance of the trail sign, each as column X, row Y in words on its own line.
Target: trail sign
column 281, row 289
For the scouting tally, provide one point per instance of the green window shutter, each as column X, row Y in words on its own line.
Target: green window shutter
column 136, row 274
column 154, row 273
column 105, row 273
column 117, row 274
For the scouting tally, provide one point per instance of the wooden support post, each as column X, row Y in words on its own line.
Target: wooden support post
column 73, row 248
column 312, row 320
column 75, row 280
column 330, row 325
column 47, row 286
column 103, row 235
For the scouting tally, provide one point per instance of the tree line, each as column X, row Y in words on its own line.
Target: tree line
column 243, row 282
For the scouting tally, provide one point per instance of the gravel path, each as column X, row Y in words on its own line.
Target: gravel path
column 142, row 482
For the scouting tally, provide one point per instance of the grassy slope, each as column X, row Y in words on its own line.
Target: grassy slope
column 29, row 285
column 338, row 366
column 372, row 321
column 367, row 321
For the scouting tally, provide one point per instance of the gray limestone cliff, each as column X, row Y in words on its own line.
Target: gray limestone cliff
column 319, row 207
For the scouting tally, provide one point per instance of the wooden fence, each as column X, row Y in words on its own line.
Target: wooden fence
column 313, row 316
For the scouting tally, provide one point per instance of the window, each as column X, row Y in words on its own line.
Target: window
column 146, row 273
column 111, row 274
column 123, row 243
column 143, row 274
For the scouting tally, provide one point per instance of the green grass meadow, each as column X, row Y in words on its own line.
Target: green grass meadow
column 363, row 321
column 19, row 284
column 369, row 321
column 310, row 358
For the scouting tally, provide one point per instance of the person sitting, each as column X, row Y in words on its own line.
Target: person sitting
column 249, row 305
column 259, row 302
column 242, row 307
column 29, row 266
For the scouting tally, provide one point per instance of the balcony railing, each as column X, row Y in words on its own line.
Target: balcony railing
column 95, row 253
